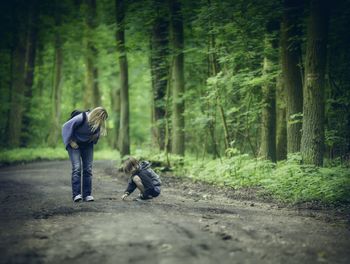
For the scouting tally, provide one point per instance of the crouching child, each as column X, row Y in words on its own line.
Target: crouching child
column 142, row 177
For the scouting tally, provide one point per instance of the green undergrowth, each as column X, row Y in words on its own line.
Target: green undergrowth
column 35, row 154
column 287, row 181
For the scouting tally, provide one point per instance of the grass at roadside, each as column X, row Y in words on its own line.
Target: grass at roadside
column 34, row 154
column 288, row 181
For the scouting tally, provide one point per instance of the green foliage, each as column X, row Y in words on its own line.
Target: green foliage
column 229, row 34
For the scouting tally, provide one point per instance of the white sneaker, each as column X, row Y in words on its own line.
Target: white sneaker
column 77, row 198
column 89, row 198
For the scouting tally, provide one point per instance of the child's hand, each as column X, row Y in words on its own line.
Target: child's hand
column 124, row 196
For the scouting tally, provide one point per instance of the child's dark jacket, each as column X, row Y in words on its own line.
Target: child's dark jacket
column 148, row 177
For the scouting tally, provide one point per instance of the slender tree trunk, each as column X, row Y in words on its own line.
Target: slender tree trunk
column 281, row 144
column 211, row 129
column 57, row 87
column 159, row 70
column 6, row 133
column 124, row 140
column 167, row 140
column 115, row 97
column 92, row 96
column 224, row 122
column 17, row 81
column 40, row 67
column 281, row 124
column 213, row 70
column 292, row 72
column 29, row 71
column 178, row 121
column 268, row 129
column 312, row 141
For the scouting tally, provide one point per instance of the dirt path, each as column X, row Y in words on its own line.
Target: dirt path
column 186, row 224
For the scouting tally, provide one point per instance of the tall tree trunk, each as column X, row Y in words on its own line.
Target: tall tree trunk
column 6, row 134
column 29, row 71
column 17, row 80
column 92, row 96
column 167, row 140
column 159, row 70
column 268, row 129
column 312, row 140
column 281, row 124
column 224, row 122
column 40, row 67
column 178, row 121
column 291, row 51
column 214, row 69
column 57, row 87
column 124, row 140
column 115, row 102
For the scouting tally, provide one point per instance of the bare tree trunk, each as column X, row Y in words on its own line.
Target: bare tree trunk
column 312, row 141
column 281, row 124
column 92, row 96
column 291, row 70
column 178, row 137
column 17, row 80
column 167, row 140
column 159, row 71
column 40, row 67
column 268, row 129
column 224, row 123
column 215, row 69
column 115, row 102
column 57, row 87
column 124, row 138
column 29, row 71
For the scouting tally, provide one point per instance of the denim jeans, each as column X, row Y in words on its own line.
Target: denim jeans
column 81, row 160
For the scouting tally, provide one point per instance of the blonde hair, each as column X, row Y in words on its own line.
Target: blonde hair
column 97, row 119
column 131, row 165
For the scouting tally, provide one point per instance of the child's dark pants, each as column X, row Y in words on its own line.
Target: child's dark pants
column 151, row 193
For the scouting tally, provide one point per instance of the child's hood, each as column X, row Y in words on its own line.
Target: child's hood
column 145, row 164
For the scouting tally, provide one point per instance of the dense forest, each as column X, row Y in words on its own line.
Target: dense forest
column 212, row 79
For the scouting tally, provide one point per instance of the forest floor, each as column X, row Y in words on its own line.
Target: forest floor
column 188, row 223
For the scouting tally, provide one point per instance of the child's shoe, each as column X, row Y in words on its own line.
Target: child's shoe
column 140, row 197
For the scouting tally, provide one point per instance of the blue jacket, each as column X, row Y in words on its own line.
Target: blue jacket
column 80, row 132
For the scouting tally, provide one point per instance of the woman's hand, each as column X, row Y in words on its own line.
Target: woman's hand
column 124, row 196
column 73, row 144
column 93, row 138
